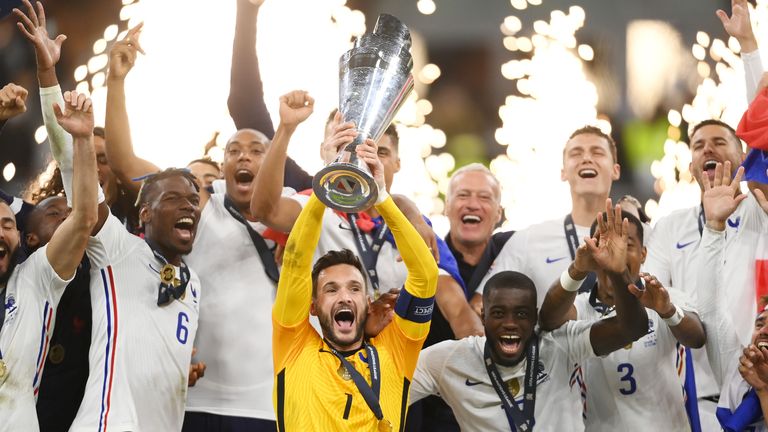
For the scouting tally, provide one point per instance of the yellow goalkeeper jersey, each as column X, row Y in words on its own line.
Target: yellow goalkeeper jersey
column 312, row 392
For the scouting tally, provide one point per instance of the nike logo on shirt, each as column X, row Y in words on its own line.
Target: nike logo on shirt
column 734, row 224
column 554, row 260
column 471, row 383
column 682, row 245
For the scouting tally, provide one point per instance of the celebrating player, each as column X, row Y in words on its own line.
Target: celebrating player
column 345, row 382
column 31, row 291
column 515, row 377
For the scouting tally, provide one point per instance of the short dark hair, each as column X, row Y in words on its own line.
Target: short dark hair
column 99, row 132
column 508, row 280
column 332, row 258
column 714, row 122
column 208, row 161
column 624, row 214
column 593, row 130
column 150, row 181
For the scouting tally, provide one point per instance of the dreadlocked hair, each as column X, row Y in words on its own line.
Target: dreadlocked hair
column 47, row 184
column 151, row 179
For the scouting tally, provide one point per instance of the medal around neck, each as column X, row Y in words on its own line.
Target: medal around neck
column 3, row 369
column 374, row 80
column 385, row 425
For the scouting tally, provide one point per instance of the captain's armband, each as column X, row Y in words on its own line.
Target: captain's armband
column 415, row 309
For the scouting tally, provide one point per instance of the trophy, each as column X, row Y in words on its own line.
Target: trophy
column 374, row 81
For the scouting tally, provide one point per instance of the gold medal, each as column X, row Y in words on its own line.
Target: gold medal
column 343, row 373
column 56, row 355
column 385, row 425
column 3, row 369
column 628, row 346
column 167, row 274
column 513, row 386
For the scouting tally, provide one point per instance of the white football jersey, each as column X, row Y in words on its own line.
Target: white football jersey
column 671, row 251
column 337, row 234
column 640, row 384
column 455, row 371
column 235, row 327
column 540, row 252
column 32, row 295
column 140, row 352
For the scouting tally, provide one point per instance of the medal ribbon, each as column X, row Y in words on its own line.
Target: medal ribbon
column 369, row 252
column 572, row 238
column 519, row 420
column 370, row 393
column 267, row 259
column 167, row 292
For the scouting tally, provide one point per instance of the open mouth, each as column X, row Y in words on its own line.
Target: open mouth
column 3, row 251
column 344, row 319
column 471, row 219
column 244, row 177
column 184, row 227
column 762, row 344
column 709, row 166
column 509, row 344
column 588, row 173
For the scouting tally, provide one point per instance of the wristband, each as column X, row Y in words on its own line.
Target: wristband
column 675, row 318
column 568, row 283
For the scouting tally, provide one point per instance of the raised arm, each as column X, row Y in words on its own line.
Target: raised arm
column 122, row 159
column 453, row 305
column 558, row 303
column 689, row 330
column 413, row 310
column 739, row 26
column 720, row 200
column 631, row 320
column 67, row 245
column 294, row 290
column 267, row 204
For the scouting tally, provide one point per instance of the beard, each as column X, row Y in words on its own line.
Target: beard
column 12, row 261
column 326, row 324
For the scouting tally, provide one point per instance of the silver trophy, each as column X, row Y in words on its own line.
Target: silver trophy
column 374, row 81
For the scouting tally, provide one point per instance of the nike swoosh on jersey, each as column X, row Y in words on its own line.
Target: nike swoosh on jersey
column 682, row 245
column 554, row 260
column 734, row 224
column 472, row 383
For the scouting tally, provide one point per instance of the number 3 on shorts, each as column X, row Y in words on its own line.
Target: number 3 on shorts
column 181, row 331
column 627, row 370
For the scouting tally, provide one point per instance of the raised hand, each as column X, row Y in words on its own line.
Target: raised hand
column 122, row 55
column 751, row 362
column 295, row 107
column 381, row 312
column 12, row 101
column 610, row 254
column 739, row 25
column 721, row 198
column 758, row 356
column 32, row 26
column 77, row 120
column 368, row 152
column 343, row 134
column 653, row 296
column 585, row 262
column 196, row 370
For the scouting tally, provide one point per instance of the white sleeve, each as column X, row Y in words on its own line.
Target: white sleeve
column 573, row 338
column 111, row 242
column 753, row 71
column 58, row 138
column 511, row 257
column 682, row 299
column 658, row 261
column 428, row 369
column 722, row 339
column 755, row 218
column 581, row 303
column 38, row 273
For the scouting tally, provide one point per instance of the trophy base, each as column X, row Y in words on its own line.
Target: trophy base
column 345, row 187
